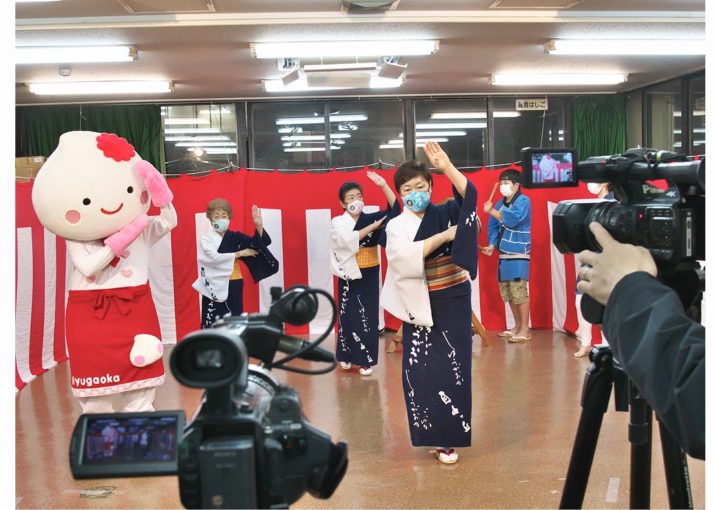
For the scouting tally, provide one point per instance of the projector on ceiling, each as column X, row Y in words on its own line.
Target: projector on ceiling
column 368, row 6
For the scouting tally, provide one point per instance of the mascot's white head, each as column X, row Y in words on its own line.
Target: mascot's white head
column 87, row 189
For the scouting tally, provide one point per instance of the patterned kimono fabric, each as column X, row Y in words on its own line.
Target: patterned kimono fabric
column 436, row 365
column 358, row 326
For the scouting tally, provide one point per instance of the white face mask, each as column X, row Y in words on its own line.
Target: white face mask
column 506, row 190
column 594, row 187
column 355, row 207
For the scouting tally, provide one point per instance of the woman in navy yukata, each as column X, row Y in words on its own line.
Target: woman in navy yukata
column 432, row 253
column 354, row 259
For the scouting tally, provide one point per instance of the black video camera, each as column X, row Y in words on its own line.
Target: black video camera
column 249, row 445
column 668, row 222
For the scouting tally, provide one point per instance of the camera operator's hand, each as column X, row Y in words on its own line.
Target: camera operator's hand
column 616, row 261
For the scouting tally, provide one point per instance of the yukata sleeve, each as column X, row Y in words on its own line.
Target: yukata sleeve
column 465, row 248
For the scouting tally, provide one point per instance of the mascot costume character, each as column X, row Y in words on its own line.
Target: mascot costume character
column 94, row 191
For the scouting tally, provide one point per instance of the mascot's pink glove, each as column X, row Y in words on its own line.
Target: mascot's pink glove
column 155, row 183
column 121, row 240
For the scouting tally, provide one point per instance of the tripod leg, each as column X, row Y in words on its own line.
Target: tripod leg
column 640, row 432
column 676, row 471
column 595, row 397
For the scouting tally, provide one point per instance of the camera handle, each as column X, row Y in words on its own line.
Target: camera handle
column 602, row 376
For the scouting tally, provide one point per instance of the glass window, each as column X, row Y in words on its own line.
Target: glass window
column 697, row 118
column 199, row 137
column 458, row 125
column 364, row 132
column 664, row 116
column 633, row 113
column 288, row 135
column 514, row 130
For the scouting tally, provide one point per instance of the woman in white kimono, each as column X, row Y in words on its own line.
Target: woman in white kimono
column 432, row 252
column 354, row 259
column 220, row 282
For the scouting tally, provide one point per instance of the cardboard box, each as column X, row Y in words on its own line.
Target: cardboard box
column 26, row 168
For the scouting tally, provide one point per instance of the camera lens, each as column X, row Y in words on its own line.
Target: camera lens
column 209, row 359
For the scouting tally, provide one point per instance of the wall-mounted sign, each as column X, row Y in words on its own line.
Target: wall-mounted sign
column 532, row 104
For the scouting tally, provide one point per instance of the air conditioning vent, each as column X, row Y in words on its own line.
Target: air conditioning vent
column 164, row 7
column 368, row 6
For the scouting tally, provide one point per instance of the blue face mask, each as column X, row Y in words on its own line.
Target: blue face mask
column 220, row 225
column 416, row 201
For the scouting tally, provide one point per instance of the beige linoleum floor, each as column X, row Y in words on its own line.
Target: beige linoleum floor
column 525, row 414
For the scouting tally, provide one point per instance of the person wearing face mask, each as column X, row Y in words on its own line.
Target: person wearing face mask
column 585, row 329
column 354, row 259
column 432, row 254
column 509, row 232
column 220, row 280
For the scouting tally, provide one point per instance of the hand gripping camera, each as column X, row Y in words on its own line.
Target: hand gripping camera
column 668, row 222
column 249, row 445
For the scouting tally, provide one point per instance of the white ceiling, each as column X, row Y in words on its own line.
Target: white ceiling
column 207, row 54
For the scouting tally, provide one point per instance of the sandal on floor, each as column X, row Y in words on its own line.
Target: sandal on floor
column 345, row 366
column 505, row 334
column 519, row 339
column 446, row 457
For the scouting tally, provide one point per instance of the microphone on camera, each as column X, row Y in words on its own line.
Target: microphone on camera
column 290, row 345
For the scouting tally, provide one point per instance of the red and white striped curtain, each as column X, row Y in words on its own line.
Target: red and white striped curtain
column 297, row 209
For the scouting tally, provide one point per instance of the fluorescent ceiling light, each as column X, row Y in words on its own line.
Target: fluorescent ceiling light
column 344, row 49
column 339, row 67
column 314, row 137
column 197, row 139
column 696, row 113
column 191, row 130
column 219, row 151
column 558, row 79
column 309, row 149
column 214, row 110
column 206, row 144
column 472, row 115
column 187, row 120
column 440, row 133
column 387, row 146
column 625, row 47
column 451, row 125
column 296, row 86
column 73, row 54
column 400, row 141
column 286, row 121
column 100, row 87
column 302, row 85
column 377, row 82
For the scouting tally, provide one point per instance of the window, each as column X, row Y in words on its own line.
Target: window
column 199, row 137
column 664, row 116
column 633, row 114
column 364, row 132
column 288, row 135
column 514, row 130
column 458, row 125
column 697, row 118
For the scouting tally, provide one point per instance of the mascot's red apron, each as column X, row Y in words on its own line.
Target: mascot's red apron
column 101, row 325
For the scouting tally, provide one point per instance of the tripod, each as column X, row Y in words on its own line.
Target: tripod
column 604, row 375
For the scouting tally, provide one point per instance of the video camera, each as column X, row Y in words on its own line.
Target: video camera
column 249, row 445
column 668, row 222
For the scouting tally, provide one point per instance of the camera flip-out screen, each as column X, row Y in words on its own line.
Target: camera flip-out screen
column 126, row 444
column 549, row 168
